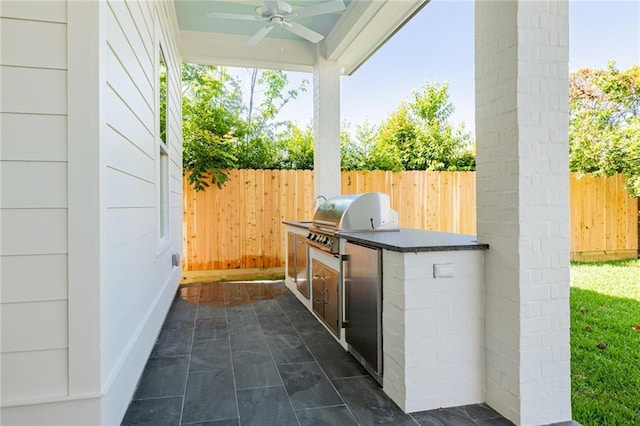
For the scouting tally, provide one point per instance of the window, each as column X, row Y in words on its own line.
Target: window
column 162, row 76
column 163, row 149
column 164, row 195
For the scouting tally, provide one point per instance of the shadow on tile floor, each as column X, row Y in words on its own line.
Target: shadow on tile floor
column 249, row 353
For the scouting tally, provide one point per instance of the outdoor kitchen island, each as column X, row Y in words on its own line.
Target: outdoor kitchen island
column 432, row 331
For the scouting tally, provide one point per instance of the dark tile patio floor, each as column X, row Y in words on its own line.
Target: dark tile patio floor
column 249, row 353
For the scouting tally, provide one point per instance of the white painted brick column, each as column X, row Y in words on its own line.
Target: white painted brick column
column 326, row 127
column 522, row 195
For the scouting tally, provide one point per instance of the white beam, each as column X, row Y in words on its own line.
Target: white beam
column 326, row 128
column 231, row 50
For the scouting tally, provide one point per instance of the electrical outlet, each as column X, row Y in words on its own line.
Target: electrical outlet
column 443, row 270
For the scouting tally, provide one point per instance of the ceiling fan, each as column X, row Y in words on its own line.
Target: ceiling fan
column 277, row 13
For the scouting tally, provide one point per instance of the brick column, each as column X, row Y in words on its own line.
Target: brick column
column 523, row 213
column 326, row 127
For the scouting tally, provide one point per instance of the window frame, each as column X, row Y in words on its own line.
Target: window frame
column 162, row 127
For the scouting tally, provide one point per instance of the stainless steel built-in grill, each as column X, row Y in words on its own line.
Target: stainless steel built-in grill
column 342, row 296
column 365, row 212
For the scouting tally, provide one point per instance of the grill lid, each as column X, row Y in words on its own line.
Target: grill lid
column 368, row 211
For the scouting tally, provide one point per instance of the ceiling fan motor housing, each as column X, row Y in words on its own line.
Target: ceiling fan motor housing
column 269, row 13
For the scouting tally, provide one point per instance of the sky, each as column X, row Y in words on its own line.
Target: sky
column 437, row 45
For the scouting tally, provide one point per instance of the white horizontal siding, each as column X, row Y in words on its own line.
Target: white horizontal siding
column 125, row 190
column 48, row 50
column 34, row 261
column 34, row 326
column 33, row 90
column 33, row 137
column 142, row 16
column 131, row 270
column 33, row 278
column 28, row 184
column 34, row 231
column 175, row 199
column 125, row 156
column 130, row 91
column 124, row 121
column 120, row 51
column 131, row 30
column 35, row 10
column 121, row 48
column 136, row 266
column 127, row 224
column 37, row 374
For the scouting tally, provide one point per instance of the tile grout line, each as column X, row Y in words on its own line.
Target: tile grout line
column 325, row 373
column 316, row 361
column 186, row 380
column 233, row 371
column 274, row 360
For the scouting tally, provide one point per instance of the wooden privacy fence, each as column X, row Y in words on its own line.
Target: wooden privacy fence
column 604, row 219
column 240, row 225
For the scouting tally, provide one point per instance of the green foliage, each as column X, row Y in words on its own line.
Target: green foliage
column 208, row 155
column 418, row 135
column 605, row 337
column 221, row 133
column 297, row 148
column 260, row 147
column 604, row 127
column 163, row 98
column 211, row 104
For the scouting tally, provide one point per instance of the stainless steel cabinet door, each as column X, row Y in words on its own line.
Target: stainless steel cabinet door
column 301, row 266
column 291, row 255
column 363, row 290
column 317, row 287
column 331, row 299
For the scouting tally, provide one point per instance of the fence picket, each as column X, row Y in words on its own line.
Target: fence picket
column 240, row 226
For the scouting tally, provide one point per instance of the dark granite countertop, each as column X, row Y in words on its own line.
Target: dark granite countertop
column 415, row 240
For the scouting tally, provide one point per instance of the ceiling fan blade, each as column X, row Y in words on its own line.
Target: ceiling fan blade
column 319, row 9
column 303, row 32
column 257, row 37
column 236, row 16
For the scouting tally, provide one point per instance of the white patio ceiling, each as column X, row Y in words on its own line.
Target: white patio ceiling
column 350, row 36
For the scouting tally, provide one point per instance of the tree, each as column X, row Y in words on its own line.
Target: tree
column 419, row 136
column 296, row 146
column 220, row 132
column 211, row 107
column 268, row 94
column 604, row 127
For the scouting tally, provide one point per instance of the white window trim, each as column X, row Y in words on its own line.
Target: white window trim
column 163, row 221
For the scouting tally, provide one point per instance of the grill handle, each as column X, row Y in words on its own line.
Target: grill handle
column 346, row 281
column 325, row 223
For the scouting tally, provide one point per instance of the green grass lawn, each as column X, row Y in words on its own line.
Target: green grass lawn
column 605, row 312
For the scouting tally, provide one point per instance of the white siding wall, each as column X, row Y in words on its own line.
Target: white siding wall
column 139, row 279
column 33, row 112
column 86, row 281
